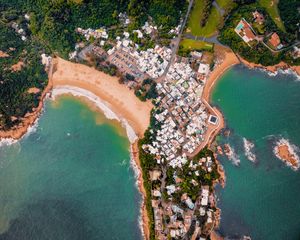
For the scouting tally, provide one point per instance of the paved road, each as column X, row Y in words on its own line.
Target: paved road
column 213, row 39
column 220, row 10
column 177, row 41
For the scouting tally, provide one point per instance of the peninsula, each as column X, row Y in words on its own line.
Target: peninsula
column 152, row 66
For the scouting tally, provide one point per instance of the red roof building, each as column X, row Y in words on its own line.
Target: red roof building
column 244, row 30
column 275, row 41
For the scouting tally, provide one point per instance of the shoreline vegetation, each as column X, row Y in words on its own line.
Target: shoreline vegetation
column 56, row 32
column 64, row 75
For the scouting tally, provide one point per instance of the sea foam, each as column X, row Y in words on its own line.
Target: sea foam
column 248, row 148
column 31, row 129
column 281, row 71
column 102, row 105
column 232, row 155
column 109, row 114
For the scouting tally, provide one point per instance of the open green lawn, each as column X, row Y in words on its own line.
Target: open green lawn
column 190, row 44
column 194, row 21
column 271, row 7
column 225, row 4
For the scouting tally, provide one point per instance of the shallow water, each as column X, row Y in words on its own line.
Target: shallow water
column 260, row 199
column 70, row 179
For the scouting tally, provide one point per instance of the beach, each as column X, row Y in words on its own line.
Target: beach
column 116, row 96
column 225, row 60
column 144, row 221
column 107, row 94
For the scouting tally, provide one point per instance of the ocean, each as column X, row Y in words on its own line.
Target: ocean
column 260, row 199
column 69, row 179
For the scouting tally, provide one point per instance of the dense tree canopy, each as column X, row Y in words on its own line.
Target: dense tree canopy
column 15, row 99
column 290, row 15
column 54, row 21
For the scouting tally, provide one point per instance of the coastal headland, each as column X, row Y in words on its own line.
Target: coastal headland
column 122, row 101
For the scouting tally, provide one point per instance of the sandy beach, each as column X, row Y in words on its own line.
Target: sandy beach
column 226, row 59
column 121, row 100
column 116, row 97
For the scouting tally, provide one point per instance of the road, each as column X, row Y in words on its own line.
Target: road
column 212, row 39
column 177, row 41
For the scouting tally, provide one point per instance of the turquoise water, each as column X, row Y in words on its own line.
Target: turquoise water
column 262, row 199
column 71, row 179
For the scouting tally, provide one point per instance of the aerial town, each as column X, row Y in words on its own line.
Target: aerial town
column 184, row 124
column 171, row 70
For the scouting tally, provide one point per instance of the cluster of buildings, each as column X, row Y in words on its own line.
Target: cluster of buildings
column 182, row 116
column 154, row 61
column 183, row 120
column 247, row 33
column 95, row 33
column 148, row 28
column 173, row 218
column 140, row 64
column 126, row 62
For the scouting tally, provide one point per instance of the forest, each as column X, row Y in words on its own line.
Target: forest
column 54, row 22
column 15, row 100
column 289, row 15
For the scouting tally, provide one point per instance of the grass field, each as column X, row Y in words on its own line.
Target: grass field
column 271, row 7
column 190, row 44
column 225, row 4
column 194, row 21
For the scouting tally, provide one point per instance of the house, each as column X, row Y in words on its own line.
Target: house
column 296, row 52
column 258, row 17
column 203, row 69
column 244, row 30
column 275, row 41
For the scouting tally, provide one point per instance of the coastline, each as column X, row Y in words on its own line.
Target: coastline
column 29, row 120
column 117, row 102
column 108, row 95
column 116, row 96
column 120, row 103
column 272, row 69
column 226, row 59
column 144, row 219
column 133, row 139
